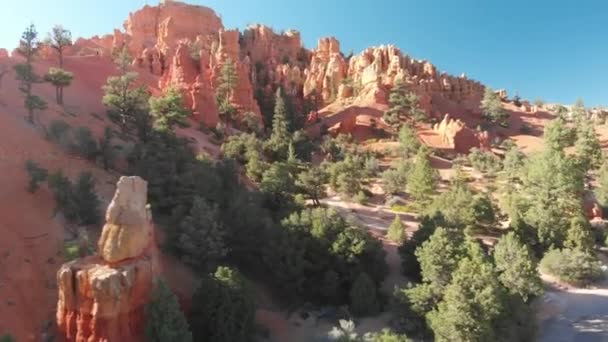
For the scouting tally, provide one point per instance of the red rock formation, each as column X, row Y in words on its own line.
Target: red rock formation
column 102, row 297
column 456, row 136
column 228, row 50
column 326, row 71
column 195, row 84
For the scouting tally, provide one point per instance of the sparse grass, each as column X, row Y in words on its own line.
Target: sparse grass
column 405, row 208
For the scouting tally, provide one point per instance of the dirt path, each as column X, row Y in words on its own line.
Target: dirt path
column 568, row 314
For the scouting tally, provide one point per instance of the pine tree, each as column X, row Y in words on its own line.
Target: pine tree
column 59, row 39
column 37, row 175
column 60, row 79
column 106, row 149
column 363, row 296
column 588, row 147
column 86, row 199
column 280, row 137
column 164, row 319
column 201, row 239
column 396, row 231
column 401, row 103
column 580, row 235
column 28, row 48
column 439, row 257
column 127, row 103
column 168, row 110
column 517, row 267
column 422, row 178
column 601, row 192
column 491, row 107
column 557, row 135
column 312, row 181
column 223, row 308
column 472, row 301
column 227, row 81
column 408, row 141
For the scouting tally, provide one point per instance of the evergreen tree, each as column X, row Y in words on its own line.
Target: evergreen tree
column 550, row 193
column 60, row 79
column 312, row 181
column 346, row 176
column 37, row 175
column 401, row 103
column 280, row 137
column 491, row 107
column 164, row 319
column 558, row 135
column 422, row 178
column 588, row 147
column 363, row 296
column 127, row 103
column 25, row 74
column 106, row 149
column 394, row 179
column 86, row 199
column 472, row 301
column 396, row 231
column 59, row 39
column 426, row 228
column 601, row 192
column 201, row 237
column 580, row 235
column 168, row 110
column 227, row 81
column 223, row 308
column 408, row 141
column 439, row 257
column 579, row 112
column 516, row 267
column 385, row 335
column 513, row 163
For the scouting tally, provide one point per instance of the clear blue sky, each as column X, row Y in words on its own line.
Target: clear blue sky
column 553, row 49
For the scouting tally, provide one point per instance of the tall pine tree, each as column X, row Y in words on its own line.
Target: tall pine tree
column 279, row 138
column 27, row 77
column 164, row 319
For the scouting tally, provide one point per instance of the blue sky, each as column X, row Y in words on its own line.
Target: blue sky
column 553, row 49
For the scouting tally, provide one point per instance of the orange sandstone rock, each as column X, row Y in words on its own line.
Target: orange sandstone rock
column 102, row 297
column 458, row 137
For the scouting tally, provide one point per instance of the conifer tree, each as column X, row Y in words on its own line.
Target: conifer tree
column 363, row 296
column 580, row 235
column 280, row 137
column 396, row 231
column 588, row 147
column 402, row 103
column 164, row 319
column 201, row 239
column 516, row 267
column 59, row 39
column 472, row 301
column 422, row 178
column 491, row 107
column 60, row 79
column 168, row 110
column 25, row 74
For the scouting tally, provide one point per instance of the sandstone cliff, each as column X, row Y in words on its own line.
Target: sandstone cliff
column 102, row 297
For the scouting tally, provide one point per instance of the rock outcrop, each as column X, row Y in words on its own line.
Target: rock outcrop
column 456, row 136
column 327, row 69
column 102, row 297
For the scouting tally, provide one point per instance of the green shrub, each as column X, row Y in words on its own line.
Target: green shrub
column 361, row 197
column 363, row 296
column 396, row 231
column 59, row 132
column 78, row 201
column 70, row 250
column 37, row 175
column 572, row 266
column 84, row 144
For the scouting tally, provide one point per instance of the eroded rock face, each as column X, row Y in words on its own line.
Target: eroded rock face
column 458, row 137
column 102, row 297
column 327, row 69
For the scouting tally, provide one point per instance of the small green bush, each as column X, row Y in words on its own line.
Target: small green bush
column 361, row 197
column 70, row 251
column 37, row 175
column 59, row 132
column 572, row 266
column 84, row 144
